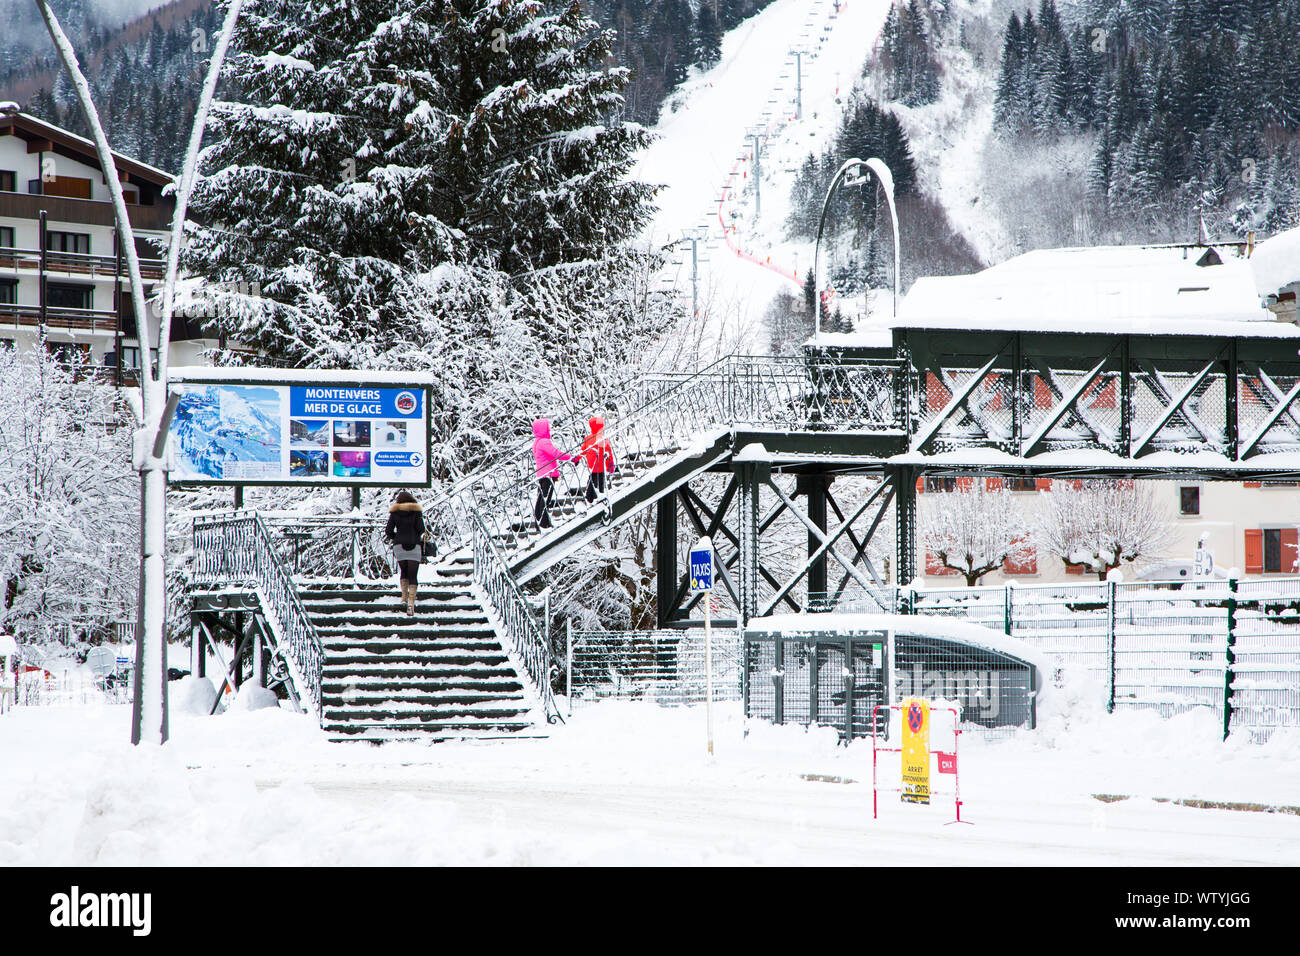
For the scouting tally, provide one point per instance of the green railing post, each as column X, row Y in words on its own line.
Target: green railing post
column 1231, row 658
column 1110, row 633
column 1008, row 603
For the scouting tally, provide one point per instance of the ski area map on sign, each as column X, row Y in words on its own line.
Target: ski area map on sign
column 246, row 433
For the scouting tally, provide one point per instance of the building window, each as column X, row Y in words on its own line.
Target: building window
column 58, row 296
column 1189, row 500
column 940, row 483
column 1272, row 550
column 8, row 291
column 1021, row 484
column 78, row 242
column 131, row 356
column 6, row 237
column 8, row 181
column 70, row 354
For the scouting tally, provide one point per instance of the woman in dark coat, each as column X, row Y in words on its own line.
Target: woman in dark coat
column 405, row 531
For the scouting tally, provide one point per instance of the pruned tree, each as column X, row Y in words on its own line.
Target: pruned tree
column 1099, row 524
column 974, row 529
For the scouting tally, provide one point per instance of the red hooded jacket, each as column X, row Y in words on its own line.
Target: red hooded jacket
column 596, row 449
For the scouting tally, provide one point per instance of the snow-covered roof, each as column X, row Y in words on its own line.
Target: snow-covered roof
column 1276, row 262
column 294, row 376
column 34, row 125
column 946, row 628
column 1112, row 289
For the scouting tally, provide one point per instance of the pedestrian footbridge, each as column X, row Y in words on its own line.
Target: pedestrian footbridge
column 824, row 446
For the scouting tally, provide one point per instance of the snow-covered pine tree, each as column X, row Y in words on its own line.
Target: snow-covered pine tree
column 534, row 172
column 376, row 141
column 708, row 35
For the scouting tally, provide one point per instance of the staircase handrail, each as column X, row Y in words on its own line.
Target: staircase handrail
column 515, row 613
column 238, row 547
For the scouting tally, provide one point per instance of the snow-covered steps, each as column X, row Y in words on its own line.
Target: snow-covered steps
column 437, row 675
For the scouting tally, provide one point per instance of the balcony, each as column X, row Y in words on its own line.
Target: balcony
column 88, row 211
column 74, row 264
column 14, row 316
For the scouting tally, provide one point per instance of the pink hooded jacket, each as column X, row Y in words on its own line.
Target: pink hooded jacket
column 545, row 454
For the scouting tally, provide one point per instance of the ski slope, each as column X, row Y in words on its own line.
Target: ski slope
column 704, row 157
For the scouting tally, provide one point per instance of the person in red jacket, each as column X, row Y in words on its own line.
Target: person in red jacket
column 599, row 455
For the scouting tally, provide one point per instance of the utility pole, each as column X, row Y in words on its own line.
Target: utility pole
column 756, row 139
column 695, row 238
column 798, row 84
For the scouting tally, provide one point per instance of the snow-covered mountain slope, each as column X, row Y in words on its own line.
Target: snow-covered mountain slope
column 949, row 140
column 704, row 156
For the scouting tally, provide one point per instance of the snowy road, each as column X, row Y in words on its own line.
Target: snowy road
column 830, row 824
column 628, row 783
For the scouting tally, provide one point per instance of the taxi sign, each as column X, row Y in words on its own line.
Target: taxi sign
column 702, row 567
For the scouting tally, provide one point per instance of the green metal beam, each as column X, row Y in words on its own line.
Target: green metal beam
column 926, row 435
column 1173, row 407
column 1063, row 407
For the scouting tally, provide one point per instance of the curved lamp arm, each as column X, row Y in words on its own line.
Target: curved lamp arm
column 856, row 167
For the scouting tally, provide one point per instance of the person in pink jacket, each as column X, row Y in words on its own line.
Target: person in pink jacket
column 547, row 458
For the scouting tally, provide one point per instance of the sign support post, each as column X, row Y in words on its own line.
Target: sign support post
column 701, row 560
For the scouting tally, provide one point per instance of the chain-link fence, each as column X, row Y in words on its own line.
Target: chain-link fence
column 665, row 666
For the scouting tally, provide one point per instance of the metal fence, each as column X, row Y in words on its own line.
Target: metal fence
column 666, row 666
column 1230, row 646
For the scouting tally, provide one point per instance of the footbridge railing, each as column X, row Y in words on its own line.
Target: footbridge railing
column 515, row 613
column 238, row 550
column 662, row 414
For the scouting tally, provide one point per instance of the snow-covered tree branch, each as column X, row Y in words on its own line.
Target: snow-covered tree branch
column 1099, row 524
column 974, row 529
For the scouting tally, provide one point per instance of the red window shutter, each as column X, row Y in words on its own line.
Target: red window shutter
column 1105, row 396
column 991, row 383
column 1254, row 551
column 1043, row 484
column 1290, row 550
column 993, row 484
column 1028, row 564
column 936, row 395
column 1254, row 484
column 965, row 484
column 1042, row 394
column 932, row 565
column 920, row 485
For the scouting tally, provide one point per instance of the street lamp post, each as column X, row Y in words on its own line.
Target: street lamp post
column 853, row 173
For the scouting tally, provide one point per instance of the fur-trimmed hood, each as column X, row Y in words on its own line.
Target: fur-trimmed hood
column 405, row 506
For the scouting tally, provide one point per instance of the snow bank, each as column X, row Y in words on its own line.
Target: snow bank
column 192, row 695
column 629, row 783
column 252, row 697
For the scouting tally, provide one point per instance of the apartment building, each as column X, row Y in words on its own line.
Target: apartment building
column 63, row 275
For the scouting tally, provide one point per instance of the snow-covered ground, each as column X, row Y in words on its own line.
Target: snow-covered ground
column 629, row 783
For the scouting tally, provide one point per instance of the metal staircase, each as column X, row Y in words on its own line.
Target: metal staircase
column 476, row 661
column 442, row 673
